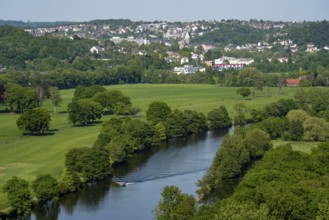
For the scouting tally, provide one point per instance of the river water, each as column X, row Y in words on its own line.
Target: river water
column 181, row 162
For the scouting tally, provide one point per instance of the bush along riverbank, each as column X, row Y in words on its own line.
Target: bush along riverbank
column 83, row 165
column 275, row 183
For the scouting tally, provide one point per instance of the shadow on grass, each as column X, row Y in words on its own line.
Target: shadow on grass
column 94, row 123
column 62, row 112
column 48, row 133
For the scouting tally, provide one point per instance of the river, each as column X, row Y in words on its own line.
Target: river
column 181, row 162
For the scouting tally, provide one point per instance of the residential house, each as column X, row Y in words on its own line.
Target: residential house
column 139, row 41
column 311, row 48
column 172, row 57
column 233, row 60
column 209, row 63
column 197, row 57
column 184, row 60
column 186, row 69
column 96, row 49
column 283, row 59
column 293, row 82
column 226, row 66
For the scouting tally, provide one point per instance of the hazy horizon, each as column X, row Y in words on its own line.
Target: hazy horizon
column 171, row 11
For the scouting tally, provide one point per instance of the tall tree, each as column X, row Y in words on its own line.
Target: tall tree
column 55, row 97
column 2, row 92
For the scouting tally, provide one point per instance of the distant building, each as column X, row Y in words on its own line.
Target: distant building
column 2, row 69
column 187, row 38
column 283, row 59
column 233, row 60
column 221, row 67
column 139, row 41
column 197, row 57
column 184, row 60
column 209, row 63
column 186, row 69
column 293, row 82
column 96, row 49
column 311, row 48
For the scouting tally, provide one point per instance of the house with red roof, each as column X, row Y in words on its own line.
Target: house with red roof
column 293, row 82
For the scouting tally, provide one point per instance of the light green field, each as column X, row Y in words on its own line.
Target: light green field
column 305, row 147
column 27, row 156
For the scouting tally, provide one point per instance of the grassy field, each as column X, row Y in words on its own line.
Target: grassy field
column 27, row 156
column 305, row 147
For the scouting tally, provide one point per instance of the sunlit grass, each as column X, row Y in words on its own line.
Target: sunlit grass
column 302, row 146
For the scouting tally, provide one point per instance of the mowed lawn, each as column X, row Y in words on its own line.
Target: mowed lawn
column 27, row 156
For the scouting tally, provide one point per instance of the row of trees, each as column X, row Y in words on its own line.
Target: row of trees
column 21, row 197
column 87, row 106
column 19, row 98
column 89, row 103
column 123, row 137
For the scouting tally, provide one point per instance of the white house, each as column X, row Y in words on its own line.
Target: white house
column 198, row 57
column 186, row 69
column 283, row 59
column 233, row 60
column 96, row 49
column 184, row 60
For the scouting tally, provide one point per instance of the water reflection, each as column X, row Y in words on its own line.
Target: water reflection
column 178, row 162
column 48, row 211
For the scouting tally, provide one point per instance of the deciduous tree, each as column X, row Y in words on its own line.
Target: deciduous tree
column 175, row 205
column 20, row 98
column 18, row 194
column 36, row 120
column 45, row 187
column 244, row 92
column 157, row 112
column 84, row 111
column 219, row 118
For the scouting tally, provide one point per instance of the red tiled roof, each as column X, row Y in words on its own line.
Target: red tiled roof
column 293, row 81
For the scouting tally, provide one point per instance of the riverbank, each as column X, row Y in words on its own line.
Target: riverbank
column 28, row 156
column 178, row 162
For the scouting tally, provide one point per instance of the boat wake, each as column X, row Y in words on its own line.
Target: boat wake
column 129, row 180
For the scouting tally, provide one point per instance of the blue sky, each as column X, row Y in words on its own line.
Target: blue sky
column 164, row 10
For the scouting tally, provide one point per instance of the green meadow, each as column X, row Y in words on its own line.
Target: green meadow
column 26, row 156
